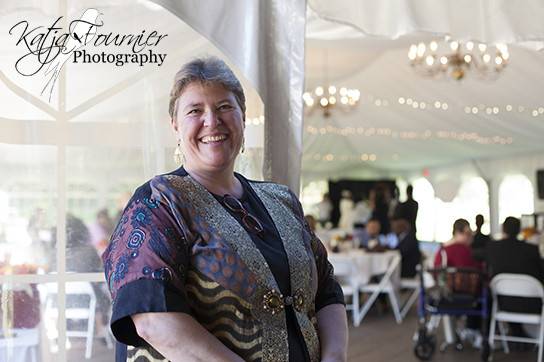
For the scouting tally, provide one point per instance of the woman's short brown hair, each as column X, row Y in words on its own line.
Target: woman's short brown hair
column 206, row 70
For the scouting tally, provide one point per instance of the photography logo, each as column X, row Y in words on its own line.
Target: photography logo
column 49, row 49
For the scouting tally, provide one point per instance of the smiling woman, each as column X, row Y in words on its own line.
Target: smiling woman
column 224, row 268
column 210, row 126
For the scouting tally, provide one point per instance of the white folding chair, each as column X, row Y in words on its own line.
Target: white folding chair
column 80, row 289
column 345, row 273
column 516, row 285
column 22, row 345
column 386, row 285
column 413, row 285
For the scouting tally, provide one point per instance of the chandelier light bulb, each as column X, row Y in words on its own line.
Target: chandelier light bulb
column 467, row 58
column 482, row 47
column 324, row 102
column 470, row 46
column 443, row 60
column 332, row 90
column 503, row 48
column 486, row 58
column 420, row 49
column 433, row 46
column 454, row 45
column 429, row 60
column 343, row 92
column 344, row 100
column 401, row 100
column 498, row 60
column 319, row 91
column 332, row 100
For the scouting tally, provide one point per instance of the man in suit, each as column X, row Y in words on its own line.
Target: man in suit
column 511, row 255
column 407, row 245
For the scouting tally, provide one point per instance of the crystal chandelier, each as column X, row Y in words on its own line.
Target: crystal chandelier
column 455, row 58
column 330, row 97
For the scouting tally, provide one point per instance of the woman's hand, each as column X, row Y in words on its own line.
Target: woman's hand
column 179, row 337
column 332, row 327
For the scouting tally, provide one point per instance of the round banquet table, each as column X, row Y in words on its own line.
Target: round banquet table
column 367, row 264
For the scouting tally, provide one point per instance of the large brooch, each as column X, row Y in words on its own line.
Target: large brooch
column 274, row 302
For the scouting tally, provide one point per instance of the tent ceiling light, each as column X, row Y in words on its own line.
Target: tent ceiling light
column 331, row 97
column 455, row 59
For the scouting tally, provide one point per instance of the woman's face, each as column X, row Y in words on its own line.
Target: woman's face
column 210, row 124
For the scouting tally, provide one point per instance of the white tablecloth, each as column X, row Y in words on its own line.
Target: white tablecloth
column 21, row 347
column 367, row 264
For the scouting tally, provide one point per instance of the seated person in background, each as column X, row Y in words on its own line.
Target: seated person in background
column 457, row 252
column 361, row 213
column 511, row 255
column 371, row 237
column 479, row 240
column 407, row 245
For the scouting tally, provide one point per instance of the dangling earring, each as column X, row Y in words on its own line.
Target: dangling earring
column 243, row 145
column 178, row 155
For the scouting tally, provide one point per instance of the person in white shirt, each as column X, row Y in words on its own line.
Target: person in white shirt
column 346, row 211
column 324, row 210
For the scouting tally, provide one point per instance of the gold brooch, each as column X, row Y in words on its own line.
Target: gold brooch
column 273, row 302
column 299, row 301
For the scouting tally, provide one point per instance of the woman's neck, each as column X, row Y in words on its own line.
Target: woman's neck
column 218, row 182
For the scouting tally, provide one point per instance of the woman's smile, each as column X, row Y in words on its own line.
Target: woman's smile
column 210, row 124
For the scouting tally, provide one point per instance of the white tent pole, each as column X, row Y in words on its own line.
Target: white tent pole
column 493, row 189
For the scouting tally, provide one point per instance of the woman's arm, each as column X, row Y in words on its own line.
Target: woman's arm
column 333, row 333
column 179, row 337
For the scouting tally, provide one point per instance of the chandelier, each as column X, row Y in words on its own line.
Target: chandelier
column 327, row 98
column 455, row 59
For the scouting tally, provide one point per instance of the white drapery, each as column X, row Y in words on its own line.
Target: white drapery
column 490, row 21
column 265, row 39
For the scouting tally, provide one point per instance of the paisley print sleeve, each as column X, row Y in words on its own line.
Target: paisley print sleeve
column 145, row 265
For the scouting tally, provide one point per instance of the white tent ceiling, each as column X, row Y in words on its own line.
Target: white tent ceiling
column 404, row 138
column 400, row 136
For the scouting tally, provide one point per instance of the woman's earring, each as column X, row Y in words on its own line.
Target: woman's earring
column 178, row 155
column 243, row 145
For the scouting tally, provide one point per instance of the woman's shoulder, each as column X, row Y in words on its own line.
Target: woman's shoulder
column 145, row 191
column 269, row 186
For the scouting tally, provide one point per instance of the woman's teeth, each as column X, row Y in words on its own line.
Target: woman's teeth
column 209, row 139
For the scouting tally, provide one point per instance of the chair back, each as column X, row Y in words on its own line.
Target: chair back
column 392, row 273
column 516, row 285
column 345, row 271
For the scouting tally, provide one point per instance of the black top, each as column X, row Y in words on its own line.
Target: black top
column 410, row 254
column 271, row 247
column 518, row 257
column 144, row 295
